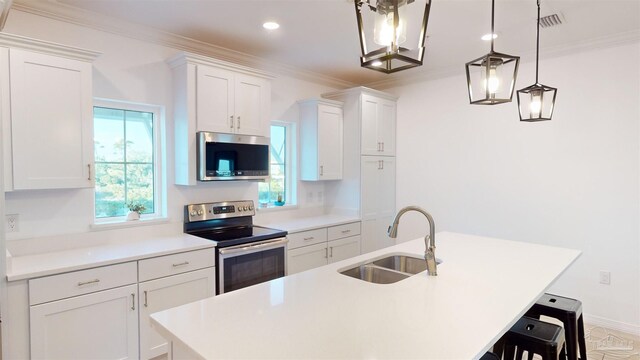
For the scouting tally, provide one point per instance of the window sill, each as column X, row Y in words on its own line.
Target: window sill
column 122, row 223
column 272, row 208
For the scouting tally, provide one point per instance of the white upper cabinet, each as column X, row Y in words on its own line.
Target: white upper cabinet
column 47, row 115
column 216, row 96
column 321, row 140
column 378, row 126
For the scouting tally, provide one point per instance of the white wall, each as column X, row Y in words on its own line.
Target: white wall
column 571, row 182
column 135, row 71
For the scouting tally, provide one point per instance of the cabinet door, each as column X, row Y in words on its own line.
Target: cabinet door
column 51, row 121
column 370, row 168
column 250, row 112
column 330, row 142
column 165, row 293
column 369, row 142
column 306, row 258
column 101, row 325
column 344, row 248
column 369, row 240
column 382, row 239
column 386, row 187
column 214, row 99
column 387, row 127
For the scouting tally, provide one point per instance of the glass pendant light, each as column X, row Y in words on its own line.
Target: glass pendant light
column 536, row 102
column 386, row 26
column 491, row 78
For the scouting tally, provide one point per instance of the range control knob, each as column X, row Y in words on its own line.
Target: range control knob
column 193, row 213
column 239, row 208
column 200, row 212
column 246, row 208
column 250, row 207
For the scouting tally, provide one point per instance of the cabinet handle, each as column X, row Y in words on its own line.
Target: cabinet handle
column 94, row 281
column 381, row 164
column 133, row 301
column 238, row 122
column 382, row 146
column 330, row 251
column 379, row 161
column 181, row 264
column 231, row 122
column 145, row 299
column 309, row 238
column 378, row 146
column 321, row 170
column 346, row 231
column 89, row 166
column 326, row 253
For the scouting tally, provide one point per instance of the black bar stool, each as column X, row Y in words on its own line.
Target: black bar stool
column 569, row 311
column 534, row 337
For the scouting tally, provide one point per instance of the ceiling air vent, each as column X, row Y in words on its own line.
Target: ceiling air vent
column 551, row 20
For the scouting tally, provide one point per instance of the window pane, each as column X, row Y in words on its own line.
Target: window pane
column 278, row 144
column 277, row 186
column 139, row 136
column 140, row 185
column 109, row 134
column 110, row 189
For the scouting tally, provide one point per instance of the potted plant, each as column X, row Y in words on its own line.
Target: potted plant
column 279, row 202
column 135, row 208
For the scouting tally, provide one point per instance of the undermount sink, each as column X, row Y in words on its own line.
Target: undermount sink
column 388, row 270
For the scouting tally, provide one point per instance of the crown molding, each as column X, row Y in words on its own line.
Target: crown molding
column 72, row 15
column 47, row 47
column 603, row 42
column 356, row 91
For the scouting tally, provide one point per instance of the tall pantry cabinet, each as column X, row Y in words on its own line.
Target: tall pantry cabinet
column 369, row 178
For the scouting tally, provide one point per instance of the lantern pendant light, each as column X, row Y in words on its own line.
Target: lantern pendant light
column 491, row 78
column 536, row 102
column 387, row 23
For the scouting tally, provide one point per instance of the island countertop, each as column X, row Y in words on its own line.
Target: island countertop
column 483, row 286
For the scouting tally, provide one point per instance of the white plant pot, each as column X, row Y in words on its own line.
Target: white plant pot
column 133, row 215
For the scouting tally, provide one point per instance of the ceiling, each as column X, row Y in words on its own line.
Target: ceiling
column 320, row 36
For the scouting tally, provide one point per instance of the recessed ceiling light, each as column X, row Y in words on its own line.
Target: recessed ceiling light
column 487, row 37
column 271, row 25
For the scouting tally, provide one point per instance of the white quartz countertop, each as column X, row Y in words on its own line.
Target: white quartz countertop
column 308, row 223
column 54, row 262
column 483, row 286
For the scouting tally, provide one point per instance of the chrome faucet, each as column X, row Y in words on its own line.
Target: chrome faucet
column 429, row 240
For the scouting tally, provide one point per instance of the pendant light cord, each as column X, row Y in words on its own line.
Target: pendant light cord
column 493, row 7
column 538, row 41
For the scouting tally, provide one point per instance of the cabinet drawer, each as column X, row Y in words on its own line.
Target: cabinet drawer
column 162, row 266
column 342, row 231
column 305, row 238
column 82, row 282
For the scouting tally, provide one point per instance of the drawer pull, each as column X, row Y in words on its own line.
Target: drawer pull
column 146, row 304
column 94, row 281
column 309, row 238
column 181, row 264
column 133, row 301
column 346, row 231
column 330, row 251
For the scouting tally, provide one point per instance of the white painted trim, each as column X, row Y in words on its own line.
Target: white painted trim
column 62, row 12
column 612, row 324
column 183, row 58
column 46, row 47
column 339, row 95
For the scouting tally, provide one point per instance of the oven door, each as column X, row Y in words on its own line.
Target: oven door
column 248, row 264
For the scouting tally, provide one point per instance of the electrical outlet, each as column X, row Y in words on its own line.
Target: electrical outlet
column 12, row 221
column 605, row 277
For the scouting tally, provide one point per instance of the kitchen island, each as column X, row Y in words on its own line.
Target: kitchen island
column 483, row 286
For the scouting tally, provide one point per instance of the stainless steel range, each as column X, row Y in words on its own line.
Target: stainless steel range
column 245, row 254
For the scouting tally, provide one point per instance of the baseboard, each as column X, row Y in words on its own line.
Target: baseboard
column 612, row 324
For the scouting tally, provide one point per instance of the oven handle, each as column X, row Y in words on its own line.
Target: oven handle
column 263, row 245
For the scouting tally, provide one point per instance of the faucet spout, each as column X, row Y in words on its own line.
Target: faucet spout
column 429, row 240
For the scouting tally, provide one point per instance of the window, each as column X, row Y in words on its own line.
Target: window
column 279, row 189
column 126, row 160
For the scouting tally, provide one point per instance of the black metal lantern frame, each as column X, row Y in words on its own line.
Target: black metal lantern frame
column 492, row 77
column 392, row 58
column 536, row 102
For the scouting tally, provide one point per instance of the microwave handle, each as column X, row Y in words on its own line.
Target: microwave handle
column 231, row 122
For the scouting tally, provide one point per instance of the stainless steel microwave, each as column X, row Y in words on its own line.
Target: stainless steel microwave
column 232, row 157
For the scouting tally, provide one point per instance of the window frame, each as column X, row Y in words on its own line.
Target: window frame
column 290, row 184
column 159, row 160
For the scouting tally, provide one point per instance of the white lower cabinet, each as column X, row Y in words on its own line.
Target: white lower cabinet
column 100, row 325
column 103, row 312
column 165, row 293
column 331, row 244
